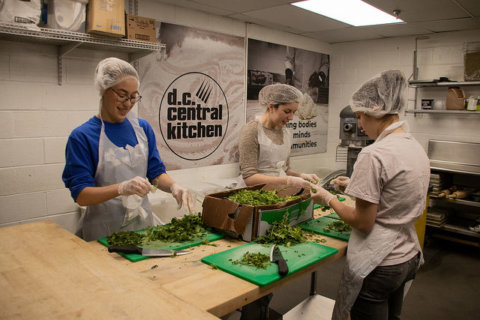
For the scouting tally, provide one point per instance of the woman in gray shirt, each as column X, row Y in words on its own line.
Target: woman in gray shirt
column 389, row 183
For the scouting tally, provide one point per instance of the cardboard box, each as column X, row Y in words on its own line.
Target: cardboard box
column 249, row 222
column 106, row 17
column 455, row 99
column 140, row 28
column 472, row 66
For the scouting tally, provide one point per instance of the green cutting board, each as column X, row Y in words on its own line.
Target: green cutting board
column 318, row 226
column 333, row 215
column 209, row 236
column 298, row 257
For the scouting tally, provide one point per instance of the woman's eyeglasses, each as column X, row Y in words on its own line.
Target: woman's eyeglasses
column 123, row 98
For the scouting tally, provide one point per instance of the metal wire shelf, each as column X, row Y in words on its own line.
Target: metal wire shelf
column 69, row 40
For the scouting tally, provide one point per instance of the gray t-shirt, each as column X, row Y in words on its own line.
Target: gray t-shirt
column 393, row 173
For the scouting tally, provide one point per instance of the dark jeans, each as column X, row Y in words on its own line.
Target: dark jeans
column 381, row 296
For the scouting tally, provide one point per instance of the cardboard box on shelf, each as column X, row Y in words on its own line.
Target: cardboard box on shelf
column 140, row 28
column 455, row 99
column 472, row 66
column 106, row 17
column 472, row 61
column 249, row 222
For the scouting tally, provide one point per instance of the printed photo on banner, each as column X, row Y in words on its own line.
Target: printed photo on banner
column 270, row 63
column 193, row 96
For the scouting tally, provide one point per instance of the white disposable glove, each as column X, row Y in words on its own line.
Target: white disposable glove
column 133, row 204
column 182, row 196
column 340, row 183
column 297, row 182
column 310, row 177
column 320, row 195
column 138, row 185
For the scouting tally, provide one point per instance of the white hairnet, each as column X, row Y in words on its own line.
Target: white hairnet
column 279, row 94
column 381, row 95
column 111, row 71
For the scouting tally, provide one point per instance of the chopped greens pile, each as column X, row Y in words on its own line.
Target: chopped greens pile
column 257, row 260
column 282, row 233
column 258, row 197
column 178, row 230
column 123, row 238
column 187, row 228
column 337, row 226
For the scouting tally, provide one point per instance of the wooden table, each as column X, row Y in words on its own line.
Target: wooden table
column 211, row 289
column 47, row 272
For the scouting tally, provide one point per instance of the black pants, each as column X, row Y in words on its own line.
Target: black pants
column 381, row 296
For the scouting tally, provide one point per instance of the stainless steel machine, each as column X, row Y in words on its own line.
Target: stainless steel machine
column 352, row 137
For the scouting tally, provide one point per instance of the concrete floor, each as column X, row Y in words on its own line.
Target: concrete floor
column 447, row 287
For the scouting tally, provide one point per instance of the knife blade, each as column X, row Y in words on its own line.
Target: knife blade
column 276, row 257
column 146, row 251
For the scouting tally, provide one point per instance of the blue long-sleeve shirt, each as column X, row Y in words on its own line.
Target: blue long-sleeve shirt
column 81, row 153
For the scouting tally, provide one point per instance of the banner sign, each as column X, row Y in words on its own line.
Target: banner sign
column 196, row 110
column 194, row 96
column 308, row 71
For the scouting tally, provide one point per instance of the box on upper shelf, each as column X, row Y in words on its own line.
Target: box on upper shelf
column 106, row 17
column 140, row 28
column 67, row 15
column 472, row 61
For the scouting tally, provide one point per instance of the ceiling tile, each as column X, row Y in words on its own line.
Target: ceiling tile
column 241, row 6
column 472, row 6
column 421, row 10
column 343, row 35
column 398, row 30
column 452, row 25
column 421, row 17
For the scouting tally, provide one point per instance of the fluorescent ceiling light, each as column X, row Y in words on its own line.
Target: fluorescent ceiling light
column 353, row 12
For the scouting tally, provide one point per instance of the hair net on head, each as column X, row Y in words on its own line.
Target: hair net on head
column 381, row 95
column 279, row 94
column 111, row 71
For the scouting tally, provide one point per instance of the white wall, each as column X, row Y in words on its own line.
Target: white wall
column 439, row 55
column 37, row 115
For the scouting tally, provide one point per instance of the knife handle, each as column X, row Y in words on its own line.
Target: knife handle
column 282, row 267
column 125, row 249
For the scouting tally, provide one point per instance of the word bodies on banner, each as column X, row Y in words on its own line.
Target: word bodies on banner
column 303, row 134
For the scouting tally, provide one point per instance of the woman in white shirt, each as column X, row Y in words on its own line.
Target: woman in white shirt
column 389, row 183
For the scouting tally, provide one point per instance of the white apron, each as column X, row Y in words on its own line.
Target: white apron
column 115, row 165
column 272, row 158
column 366, row 252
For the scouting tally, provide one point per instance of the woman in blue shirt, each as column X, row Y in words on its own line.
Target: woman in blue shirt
column 114, row 154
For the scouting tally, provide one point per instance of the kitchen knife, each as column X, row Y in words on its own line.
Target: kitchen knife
column 147, row 252
column 276, row 257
